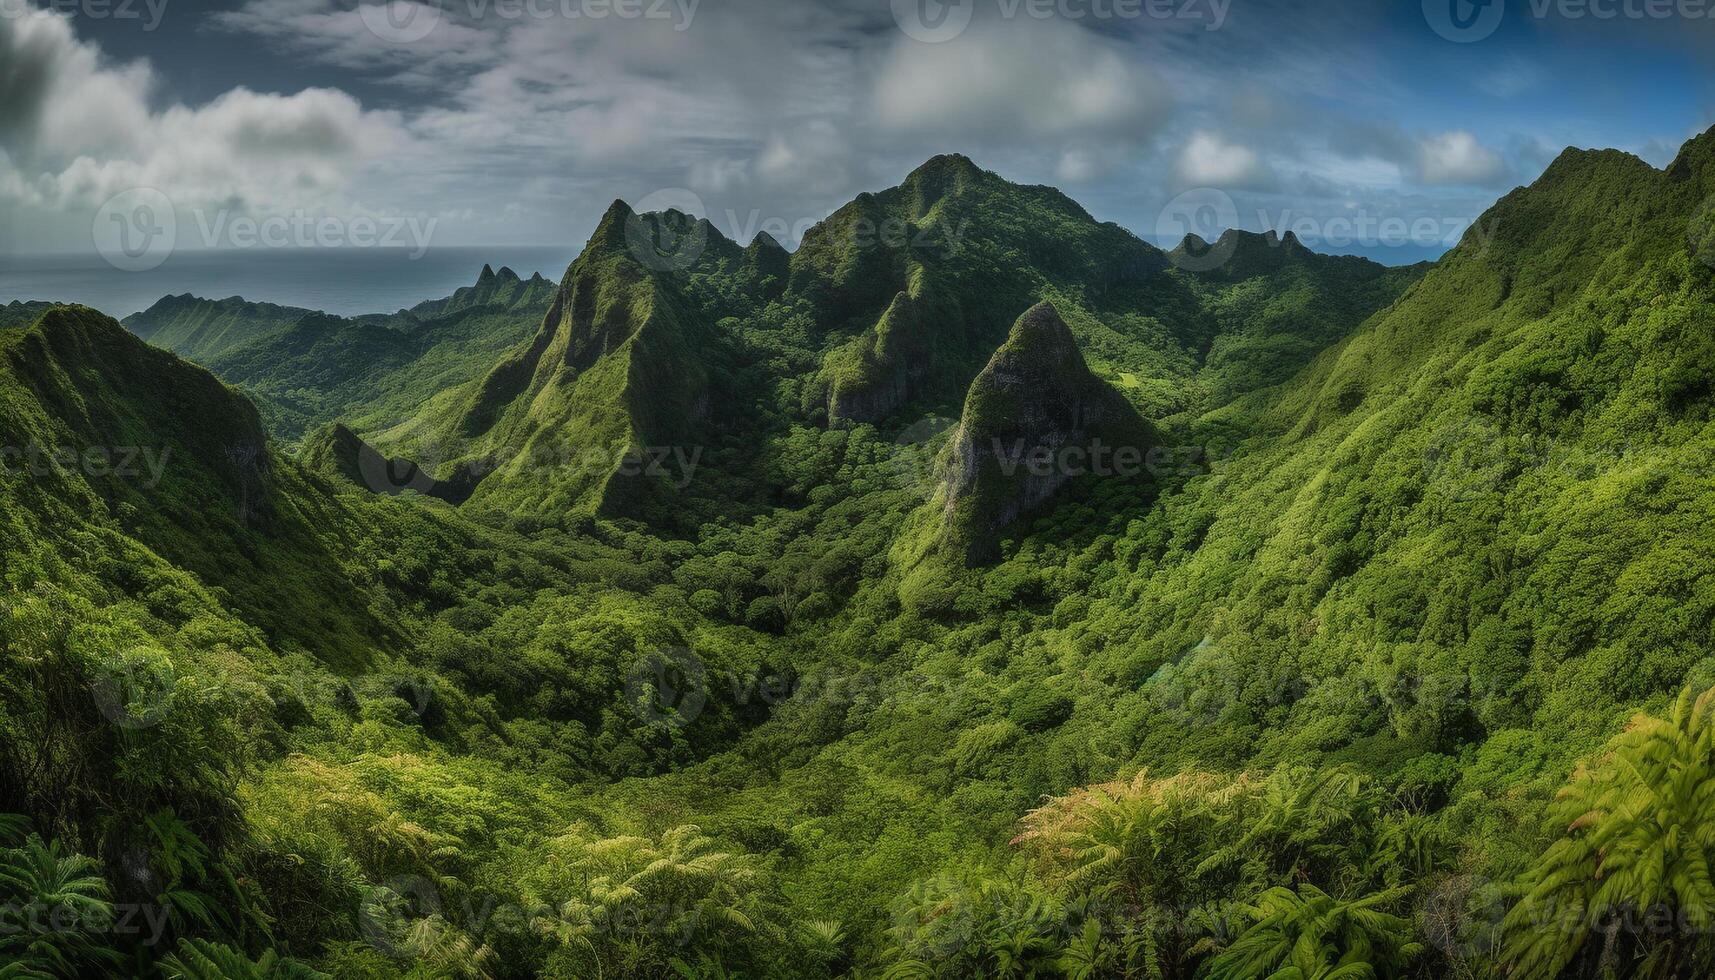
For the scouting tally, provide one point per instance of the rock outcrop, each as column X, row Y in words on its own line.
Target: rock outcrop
column 1034, row 420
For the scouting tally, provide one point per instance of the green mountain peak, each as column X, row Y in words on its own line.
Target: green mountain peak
column 1034, row 420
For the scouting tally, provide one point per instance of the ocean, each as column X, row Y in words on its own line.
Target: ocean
column 343, row 281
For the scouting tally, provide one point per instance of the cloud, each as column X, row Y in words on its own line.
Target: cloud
column 524, row 125
column 77, row 130
column 1510, row 79
column 1210, row 160
column 816, row 154
column 1032, row 79
column 1085, row 163
column 57, row 96
column 1457, row 158
column 345, row 35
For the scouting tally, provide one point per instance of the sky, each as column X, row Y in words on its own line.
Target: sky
column 1382, row 128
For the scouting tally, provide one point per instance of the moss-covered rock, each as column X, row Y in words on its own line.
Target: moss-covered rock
column 1035, row 419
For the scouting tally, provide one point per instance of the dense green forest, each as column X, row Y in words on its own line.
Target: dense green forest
column 975, row 591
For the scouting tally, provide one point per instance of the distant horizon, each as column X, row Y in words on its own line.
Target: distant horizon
column 93, row 282
column 343, row 282
column 1372, row 251
column 36, row 275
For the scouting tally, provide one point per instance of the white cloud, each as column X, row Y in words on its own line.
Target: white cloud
column 337, row 33
column 1037, row 79
column 1454, row 157
column 816, row 155
column 78, row 131
column 1209, row 160
column 522, row 128
column 1080, row 165
column 57, row 96
column 1457, row 158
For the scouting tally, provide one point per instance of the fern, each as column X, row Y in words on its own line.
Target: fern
column 1310, row 935
column 198, row 959
column 1635, row 842
column 53, row 885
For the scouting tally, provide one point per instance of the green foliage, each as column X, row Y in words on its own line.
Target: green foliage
column 1629, row 866
column 58, row 911
column 202, row 330
column 1415, row 542
column 1309, row 935
column 633, row 906
column 201, row 960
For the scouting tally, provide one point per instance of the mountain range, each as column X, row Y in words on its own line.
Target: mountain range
column 976, row 590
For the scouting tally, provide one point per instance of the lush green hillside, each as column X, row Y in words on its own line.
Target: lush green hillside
column 308, row 369
column 203, row 329
column 1277, row 305
column 21, row 314
column 226, row 674
column 666, row 335
column 1346, row 681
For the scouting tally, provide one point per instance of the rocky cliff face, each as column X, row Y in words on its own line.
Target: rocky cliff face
column 619, row 365
column 883, row 367
column 1035, row 420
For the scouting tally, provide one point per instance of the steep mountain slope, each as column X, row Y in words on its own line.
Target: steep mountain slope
column 618, row 367
column 105, row 435
column 1416, row 546
column 206, row 645
column 1444, row 562
column 1276, row 305
column 307, row 369
column 931, row 274
column 927, row 277
column 668, row 338
column 337, row 452
column 1035, row 419
column 1479, row 503
column 203, row 329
